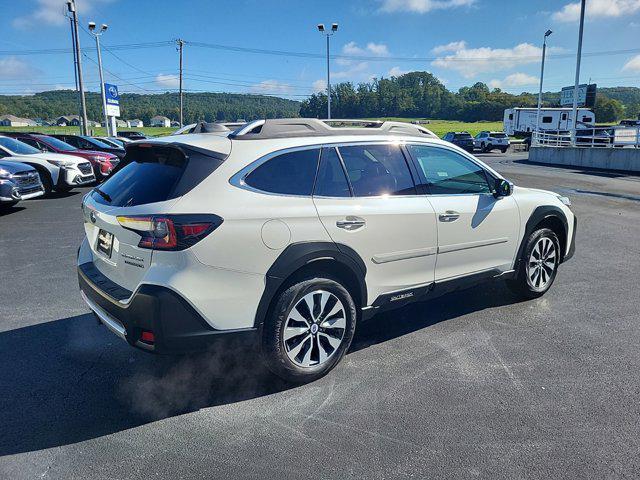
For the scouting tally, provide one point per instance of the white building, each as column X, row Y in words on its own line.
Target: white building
column 136, row 123
column 160, row 121
column 13, row 121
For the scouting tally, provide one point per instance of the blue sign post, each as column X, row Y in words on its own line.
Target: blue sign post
column 113, row 100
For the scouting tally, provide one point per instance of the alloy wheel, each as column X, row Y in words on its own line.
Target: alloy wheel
column 542, row 263
column 314, row 328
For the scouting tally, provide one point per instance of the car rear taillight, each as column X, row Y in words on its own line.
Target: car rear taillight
column 170, row 232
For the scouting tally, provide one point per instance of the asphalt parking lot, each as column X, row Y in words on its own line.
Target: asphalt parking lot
column 474, row 384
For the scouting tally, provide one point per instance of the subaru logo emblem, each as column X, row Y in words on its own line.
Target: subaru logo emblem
column 92, row 217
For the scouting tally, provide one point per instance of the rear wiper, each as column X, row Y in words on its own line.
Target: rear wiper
column 102, row 194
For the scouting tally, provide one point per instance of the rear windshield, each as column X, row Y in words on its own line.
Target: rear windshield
column 96, row 142
column 462, row 136
column 155, row 174
column 56, row 143
column 498, row 135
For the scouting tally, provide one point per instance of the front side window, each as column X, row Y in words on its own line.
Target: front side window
column 449, row 173
column 375, row 170
column 291, row 173
column 331, row 181
column 547, row 119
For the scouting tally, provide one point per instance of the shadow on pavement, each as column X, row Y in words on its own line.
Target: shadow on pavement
column 4, row 210
column 70, row 380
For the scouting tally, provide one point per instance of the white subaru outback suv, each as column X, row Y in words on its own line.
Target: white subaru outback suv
column 288, row 232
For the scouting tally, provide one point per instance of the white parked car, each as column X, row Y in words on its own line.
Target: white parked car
column 57, row 171
column 289, row 232
column 487, row 141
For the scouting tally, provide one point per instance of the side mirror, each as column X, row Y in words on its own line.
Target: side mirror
column 503, row 188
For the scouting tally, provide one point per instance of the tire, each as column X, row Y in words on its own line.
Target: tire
column 301, row 343
column 504, row 150
column 528, row 284
column 45, row 178
column 483, row 147
column 488, row 148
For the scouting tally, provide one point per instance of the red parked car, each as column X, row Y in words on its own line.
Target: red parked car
column 103, row 163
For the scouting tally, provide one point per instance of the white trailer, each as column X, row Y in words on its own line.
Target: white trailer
column 522, row 121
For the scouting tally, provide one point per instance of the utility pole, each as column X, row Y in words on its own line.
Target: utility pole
column 577, row 82
column 71, row 6
column 75, row 66
column 92, row 30
column 180, row 48
column 544, row 51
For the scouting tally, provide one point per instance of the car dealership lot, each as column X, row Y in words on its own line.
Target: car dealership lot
column 471, row 384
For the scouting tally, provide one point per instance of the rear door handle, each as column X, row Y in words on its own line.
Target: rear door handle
column 351, row 223
column 449, row 216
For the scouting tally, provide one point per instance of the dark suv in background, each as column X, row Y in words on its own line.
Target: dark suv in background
column 463, row 140
column 84, row 142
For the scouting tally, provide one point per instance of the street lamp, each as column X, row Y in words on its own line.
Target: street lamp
column 544, row 51
column 334, row 29
column 96, row 35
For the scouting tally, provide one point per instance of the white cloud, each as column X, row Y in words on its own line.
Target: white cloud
column 632, row 65
column 51, row 12
column 14, row 68
column 597, row 9
column 471, row 61
column 167, row 81
column 397, row 71
column 376, row 49
column 514, row 80
column 319, row 86
column 449, row 47
column 272, row 86
column 421, row 6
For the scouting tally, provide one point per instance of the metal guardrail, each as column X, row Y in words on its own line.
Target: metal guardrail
column 596, row 137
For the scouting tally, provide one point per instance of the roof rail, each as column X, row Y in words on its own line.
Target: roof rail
column 313, row 127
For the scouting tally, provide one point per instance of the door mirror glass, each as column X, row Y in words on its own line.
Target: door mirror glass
column 502, row 187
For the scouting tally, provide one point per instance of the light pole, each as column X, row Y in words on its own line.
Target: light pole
column 96, row 35
column 544, row 51
column 334, row 29
column 71, row 7
column 577, row 82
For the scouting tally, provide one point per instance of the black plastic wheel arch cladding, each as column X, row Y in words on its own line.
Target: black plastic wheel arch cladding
column 298, row 255
column 540, row 214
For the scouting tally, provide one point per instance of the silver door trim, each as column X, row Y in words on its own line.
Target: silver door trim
column 404, row 255
column 467, row 245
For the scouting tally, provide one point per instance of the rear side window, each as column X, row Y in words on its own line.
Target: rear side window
column 291, row 173
column 155, row 174
column 375, row 170
column 449, row 173
column 498, row 135
column 331, row 181
column 463, row 136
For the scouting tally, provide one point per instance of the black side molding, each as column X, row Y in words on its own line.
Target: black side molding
column 296, row 256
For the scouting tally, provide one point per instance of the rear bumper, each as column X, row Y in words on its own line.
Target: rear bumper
column 175, row 324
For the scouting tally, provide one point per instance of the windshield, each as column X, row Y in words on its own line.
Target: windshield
column 17, row 147
column 57, row 144
column 95, row 142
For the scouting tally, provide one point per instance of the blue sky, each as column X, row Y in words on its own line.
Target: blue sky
column 459, row 41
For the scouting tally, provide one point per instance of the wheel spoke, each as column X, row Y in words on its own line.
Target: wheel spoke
column 295, row 315
column 335, row 322
column 334, row 342
column 296, row 350
column 322, row 351
column 291, row 332
column 306, row 360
